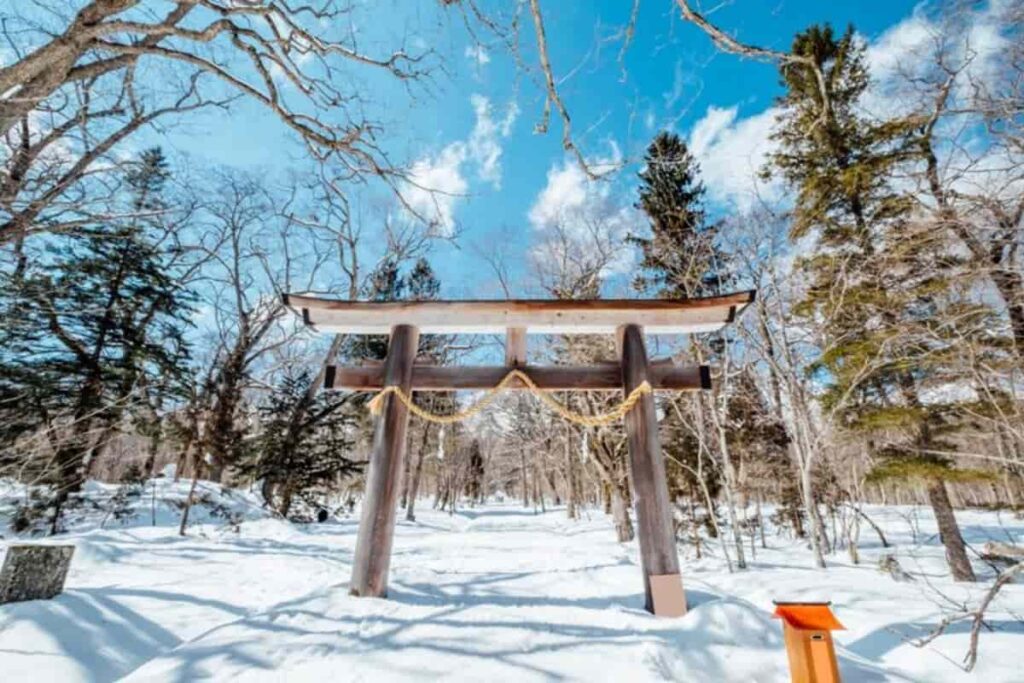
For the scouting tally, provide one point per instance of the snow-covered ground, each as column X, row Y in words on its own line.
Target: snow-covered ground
column 492, row 593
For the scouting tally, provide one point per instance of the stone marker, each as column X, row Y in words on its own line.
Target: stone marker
column 34, row 572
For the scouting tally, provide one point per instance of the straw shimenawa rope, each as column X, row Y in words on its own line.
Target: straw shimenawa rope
column 377, row 403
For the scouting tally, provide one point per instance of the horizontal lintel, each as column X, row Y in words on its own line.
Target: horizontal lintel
column 605, row 377
column 573, row 316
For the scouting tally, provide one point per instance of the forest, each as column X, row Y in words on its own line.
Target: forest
column 145, row 335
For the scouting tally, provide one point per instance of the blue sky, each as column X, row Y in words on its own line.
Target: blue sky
column 472, row 133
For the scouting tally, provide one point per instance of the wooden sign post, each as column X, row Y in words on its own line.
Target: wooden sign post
column 630, row 319
column 807, row 628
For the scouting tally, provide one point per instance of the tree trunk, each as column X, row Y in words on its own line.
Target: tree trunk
column 285, row 506
column 196, row 470
column 694, row 526
column 403, row 501
column 267, row 491
column 620, row 516
column 526, row 488
column 154, row 448
column 811, row 506
column 949, row 532
column 570, row 479
column 414, row 478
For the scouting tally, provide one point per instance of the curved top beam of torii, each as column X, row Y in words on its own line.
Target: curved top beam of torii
column 535, row 316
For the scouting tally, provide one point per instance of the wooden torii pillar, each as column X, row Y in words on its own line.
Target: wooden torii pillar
column 628, row 319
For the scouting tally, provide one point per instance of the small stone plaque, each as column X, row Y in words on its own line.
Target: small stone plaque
column 34, row 572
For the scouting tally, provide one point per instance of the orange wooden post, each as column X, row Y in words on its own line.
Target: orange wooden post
column 807, row 630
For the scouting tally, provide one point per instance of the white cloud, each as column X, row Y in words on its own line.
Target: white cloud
column 710, row 128
column 904, row 74
column 582, row 213
column 649, row 120
column 900, row 51
column 678, row 84
column 889, row 53
column 566, row 192
column 569, row 191
column 908, row 49
column 478, row 55
column 731, row 152
column 485, row 140
column 437, row 182
column 986, row 41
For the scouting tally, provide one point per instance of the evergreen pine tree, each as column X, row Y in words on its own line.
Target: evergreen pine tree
column 679, row 258
column 384, row 284
column 297, row 461
column 874, row 279
column 421, row 284
column 90, row 321
column 759, row 440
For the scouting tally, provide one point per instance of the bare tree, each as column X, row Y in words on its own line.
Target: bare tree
column 571, row 259
column 84, row 82
column 253, row 261
column 60, row 163
column 975, row 195
column 263, row 45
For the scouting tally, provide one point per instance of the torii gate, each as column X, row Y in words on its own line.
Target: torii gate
column 627, row 319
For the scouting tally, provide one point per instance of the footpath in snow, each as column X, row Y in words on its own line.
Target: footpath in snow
column 496, row 593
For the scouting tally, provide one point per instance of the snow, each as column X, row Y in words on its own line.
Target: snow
column 493, row 593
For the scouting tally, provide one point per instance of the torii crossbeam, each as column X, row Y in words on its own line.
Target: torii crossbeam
column 628, row 319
